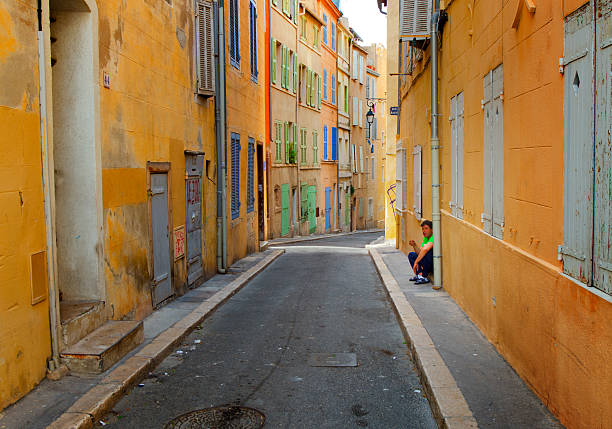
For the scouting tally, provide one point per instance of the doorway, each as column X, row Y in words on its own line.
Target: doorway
column 161, row 281
column 76, row 151
column 194, row 166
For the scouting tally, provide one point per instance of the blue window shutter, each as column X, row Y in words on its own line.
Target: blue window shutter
column 235, row 192
column 325, row 29
column 333, row 36
column 325, row 142
column 334, row 143
column 324, row 84
column 251, row 176
column 237, row 42
column 333, row 89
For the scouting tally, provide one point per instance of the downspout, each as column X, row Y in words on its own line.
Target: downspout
column 435, row 152
column 267, row 168
column 221, row 136
column 338, row 220
column 53, row 363
column 397, row 140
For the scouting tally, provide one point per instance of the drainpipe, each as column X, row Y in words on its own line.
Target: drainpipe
column 398, row 211
column 53, row 363
column 338, row 220
column 435, row 152
column 221, row 137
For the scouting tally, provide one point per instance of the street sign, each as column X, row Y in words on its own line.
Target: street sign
column 394, row 111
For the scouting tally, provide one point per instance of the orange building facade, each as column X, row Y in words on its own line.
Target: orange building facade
column 512, row 247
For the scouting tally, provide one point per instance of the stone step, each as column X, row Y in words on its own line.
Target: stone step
column 102, row 348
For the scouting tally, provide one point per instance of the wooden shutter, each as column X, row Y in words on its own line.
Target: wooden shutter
column 361, row 170
column 355, row 112
column 355, row 65
column 333, row 89
column 235, row 195
column 334, row 143
column 361, row 71
column 418, row 178
column 251, row 176
column 304, row 201
column 324, row 29
column 602, row 275
column 312, row 204
column 318, row 92
column 460, row 156
column 205, row 48
column 308, row 85
column 286, row 135
column 453, row 126
column 253, row 36
column 295, row 73
column 333, row 37
column 497, row 133
column 324, row 84
column 273, row 55
column 415, row 18
column 577, row 249
column 375, row 129
column 361, row 113
column 325, row 142
column 487, row 215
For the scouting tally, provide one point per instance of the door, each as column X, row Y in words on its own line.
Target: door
column 327, row 209
column 285, row 209
column 162, row 284
column 260, row 192
column 194, row 165
column 312, row 204
column 347, row 209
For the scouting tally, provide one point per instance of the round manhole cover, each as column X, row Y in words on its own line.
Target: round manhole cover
column 228, row 417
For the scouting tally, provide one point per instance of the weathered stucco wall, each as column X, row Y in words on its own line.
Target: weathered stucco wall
column 549, row 328
column 149, row 113
column 22, row 217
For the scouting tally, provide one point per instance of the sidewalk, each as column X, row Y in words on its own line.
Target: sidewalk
column 479, row 376
column 299, row 239
column 78, row 400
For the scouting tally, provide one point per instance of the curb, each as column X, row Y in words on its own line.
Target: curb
column 273, row 243
column 449, row 407
column 92, row 406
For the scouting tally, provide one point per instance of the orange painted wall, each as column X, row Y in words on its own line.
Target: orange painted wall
column 22, row 217
column 549, row 328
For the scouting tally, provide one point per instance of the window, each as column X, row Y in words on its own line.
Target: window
column 346, row 99
column 325, row 142
column 251, row 176
column 278, row 152
column 324, row 29
column 303, row 26
column 205, row 48
column 253, row 36
column 325, row 84
column 333, row 36
column 355, row 65
column 333, row 89
column 456, row 123
column 235, row 203
column 334, row 138
column 315, row 38
column 361, row 169
column 367, row 86
column 373, row 88
column 318, row 92
column 355, row 111
column 315, row 148
column 361, row 113
column 361, row 71
column 234, row 34
column 303, row 146
column 417, row 163
column 273, row 55
column 286, row 7
column 493, row 216
column 295, row 73
column 372, row 170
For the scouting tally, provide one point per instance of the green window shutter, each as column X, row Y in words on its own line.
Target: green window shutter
column 273, row 71
column 295, row 73
column 286, row 142
column 283, row 65
column 275, row 2
column 312, row 204
column 295, row 139
column 277, row 141
column 315, row 148
column 308, row 77
column 300, row 90
column 319, row 91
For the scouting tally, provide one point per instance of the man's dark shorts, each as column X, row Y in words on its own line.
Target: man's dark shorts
column 425, row 265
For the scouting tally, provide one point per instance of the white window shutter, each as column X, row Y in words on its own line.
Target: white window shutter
column 361, row 70
column 205, row 48
column 487, row 215
column 355, row 111
column 497, row 110
column 418, row 188
column 453, row 125
column 361, row 113
column 460, row 155
column 361, row 170
column 355, row 65
column 415, row 18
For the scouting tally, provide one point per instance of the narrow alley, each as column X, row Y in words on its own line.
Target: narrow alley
column 257, row 351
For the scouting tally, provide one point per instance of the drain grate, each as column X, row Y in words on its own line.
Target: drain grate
column 225, row 417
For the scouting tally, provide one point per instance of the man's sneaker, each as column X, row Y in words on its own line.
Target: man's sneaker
column 414, row 279
column 422, row 281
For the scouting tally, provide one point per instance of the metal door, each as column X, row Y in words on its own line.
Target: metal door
column 162, row 284
column 194, row 164
column 327, row 209
column 602, row 251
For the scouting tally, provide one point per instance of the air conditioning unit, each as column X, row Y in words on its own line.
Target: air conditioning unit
column 415, row 19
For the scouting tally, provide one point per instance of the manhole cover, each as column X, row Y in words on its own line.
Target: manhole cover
column 333, row 359
column 229, row 417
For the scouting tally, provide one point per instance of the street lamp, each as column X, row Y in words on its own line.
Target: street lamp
column 370, row 117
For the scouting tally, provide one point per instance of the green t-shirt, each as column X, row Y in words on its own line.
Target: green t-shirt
column 427, row 240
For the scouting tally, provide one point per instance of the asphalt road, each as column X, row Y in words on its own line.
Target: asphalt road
column 320, row 297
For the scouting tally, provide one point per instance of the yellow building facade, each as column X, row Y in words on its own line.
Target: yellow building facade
column 359, row 147
column 506, row 189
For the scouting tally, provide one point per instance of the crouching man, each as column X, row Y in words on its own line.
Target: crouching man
column 421, row 259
